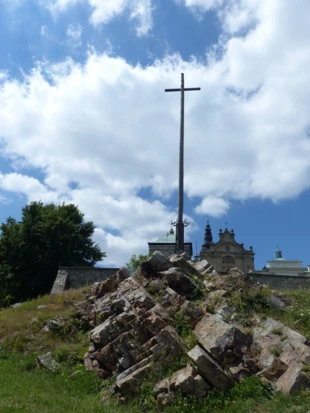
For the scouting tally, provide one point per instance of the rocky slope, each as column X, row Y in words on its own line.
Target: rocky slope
column 173, row 309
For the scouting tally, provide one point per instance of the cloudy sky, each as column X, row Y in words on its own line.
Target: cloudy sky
column 84, row 117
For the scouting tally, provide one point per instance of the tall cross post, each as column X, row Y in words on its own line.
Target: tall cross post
column 180, row 223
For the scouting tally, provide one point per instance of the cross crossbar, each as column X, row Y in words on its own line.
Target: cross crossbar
column 185, row 89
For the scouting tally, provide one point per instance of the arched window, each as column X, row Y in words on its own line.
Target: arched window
column 228, row 262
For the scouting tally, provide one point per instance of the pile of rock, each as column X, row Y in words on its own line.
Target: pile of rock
column 134, row 331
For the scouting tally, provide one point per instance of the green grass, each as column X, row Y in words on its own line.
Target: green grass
column 24, row 389
column 28, row 389
column 297, row 315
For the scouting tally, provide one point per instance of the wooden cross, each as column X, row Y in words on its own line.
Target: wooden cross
column 180, row 223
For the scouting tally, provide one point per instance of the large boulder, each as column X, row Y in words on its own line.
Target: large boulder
column 201, row 266
column 178, row 260
column 225, row 342
column 186, row 381
column 130, row 381
column 111, row 284
column 179, row 282
column 209, row 369
column 157, row 262
column 189, row 382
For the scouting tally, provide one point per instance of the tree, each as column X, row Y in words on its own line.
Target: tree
column 48, row 236
column 135, row 261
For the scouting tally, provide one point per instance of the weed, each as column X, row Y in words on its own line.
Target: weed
column 277, row 330
column 249, row 331
column 250, row 301
column 276, row 351
column 183, row 326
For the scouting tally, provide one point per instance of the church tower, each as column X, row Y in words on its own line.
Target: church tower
column 208, row 237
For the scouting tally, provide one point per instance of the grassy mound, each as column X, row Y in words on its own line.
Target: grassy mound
column 70, row 388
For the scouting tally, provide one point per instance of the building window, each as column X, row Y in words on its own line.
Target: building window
column 228, row 262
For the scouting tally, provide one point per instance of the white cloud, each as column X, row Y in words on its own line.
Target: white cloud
column 139, row 10
column 109, row 127
column 74, row 34
column 201, row 5
column 23, row 184
column 103, row 11
column 211, row 206
column 56, row 6
column 3, row 75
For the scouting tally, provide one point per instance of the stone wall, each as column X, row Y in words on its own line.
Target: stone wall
column 75, row 277
column 283, row 281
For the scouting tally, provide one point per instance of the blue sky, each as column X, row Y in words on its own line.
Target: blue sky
column 84, row 117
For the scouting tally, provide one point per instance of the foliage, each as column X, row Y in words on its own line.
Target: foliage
column 31, row 250
column 183, row 326
column 135, row 261
column 297, row 315
column 251, row 300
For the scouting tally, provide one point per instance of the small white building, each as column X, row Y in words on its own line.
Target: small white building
column 281, row 266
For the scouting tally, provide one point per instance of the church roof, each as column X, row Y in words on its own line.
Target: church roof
column 167, row 238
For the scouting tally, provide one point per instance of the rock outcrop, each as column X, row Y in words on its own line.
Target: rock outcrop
column 139, row 327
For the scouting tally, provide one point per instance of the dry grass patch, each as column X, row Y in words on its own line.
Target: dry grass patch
column 21, row 327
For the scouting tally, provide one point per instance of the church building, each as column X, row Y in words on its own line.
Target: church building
column 226, row 253
column 166, row 245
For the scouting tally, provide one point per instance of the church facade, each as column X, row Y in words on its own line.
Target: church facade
column 226, row 253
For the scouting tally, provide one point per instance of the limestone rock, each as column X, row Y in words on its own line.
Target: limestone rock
column 56, row 324
column 293, row 380
column 88, row 362
column 201, row 266
column 177, row 260
column 188, row 382
column 208, row 270
column 193, row 311
column 274, row 370
column 209, row 369
column 278, row 348
column 179, row 282
column 216, row 298
column 163, row 386
column 130, row 384
column 275, row 302
column 172, row 299
column 157, row 262
column 111, row 328
column 214, row 282
column 223, row 341
column 168, row 343
column 47, row 361
column 111, row 284
column 239, row 372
